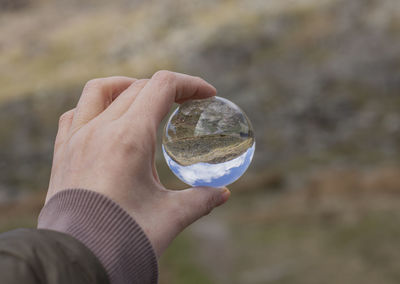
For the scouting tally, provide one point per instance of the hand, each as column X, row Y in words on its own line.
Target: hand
column 107, row 145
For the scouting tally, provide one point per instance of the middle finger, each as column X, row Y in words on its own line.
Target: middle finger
column 121, row 104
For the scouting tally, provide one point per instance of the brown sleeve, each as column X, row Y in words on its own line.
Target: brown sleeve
column 107, row 230
column 31, row 256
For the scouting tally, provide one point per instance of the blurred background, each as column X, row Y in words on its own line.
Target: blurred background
column 319, row 79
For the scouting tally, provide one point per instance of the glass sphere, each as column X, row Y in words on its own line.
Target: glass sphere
column 208, row 142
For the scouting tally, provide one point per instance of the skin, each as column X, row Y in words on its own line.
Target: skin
column 107, row 144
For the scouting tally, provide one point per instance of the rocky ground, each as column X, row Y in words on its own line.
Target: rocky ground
column 320, row 81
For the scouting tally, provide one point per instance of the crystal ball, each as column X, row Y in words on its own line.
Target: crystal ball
column 208, row 142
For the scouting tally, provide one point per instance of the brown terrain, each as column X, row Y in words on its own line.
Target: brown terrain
column 212, row 149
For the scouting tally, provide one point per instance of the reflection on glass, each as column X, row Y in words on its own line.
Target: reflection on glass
column 208, row 142
column 215, row 175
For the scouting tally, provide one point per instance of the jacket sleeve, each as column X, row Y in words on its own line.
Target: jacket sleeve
column 43, row 257
column 107, row 230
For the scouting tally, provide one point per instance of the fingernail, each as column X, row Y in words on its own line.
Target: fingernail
column 224, row 196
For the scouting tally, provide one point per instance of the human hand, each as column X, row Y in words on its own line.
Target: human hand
column 107, row 145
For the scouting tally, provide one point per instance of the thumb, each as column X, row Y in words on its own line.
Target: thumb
column 199, row 201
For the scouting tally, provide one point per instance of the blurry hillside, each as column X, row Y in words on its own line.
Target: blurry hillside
column 319, row 79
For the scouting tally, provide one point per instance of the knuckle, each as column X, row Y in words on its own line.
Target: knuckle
column 93, row 84
column 65, row 116
column 164, row 76
column 140, row 83
column 209, row 204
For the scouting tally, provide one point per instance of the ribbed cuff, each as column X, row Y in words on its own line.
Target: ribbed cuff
column 107, row 230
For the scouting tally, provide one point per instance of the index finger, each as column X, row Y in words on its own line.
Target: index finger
column 162, row 90
column 96, row 96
